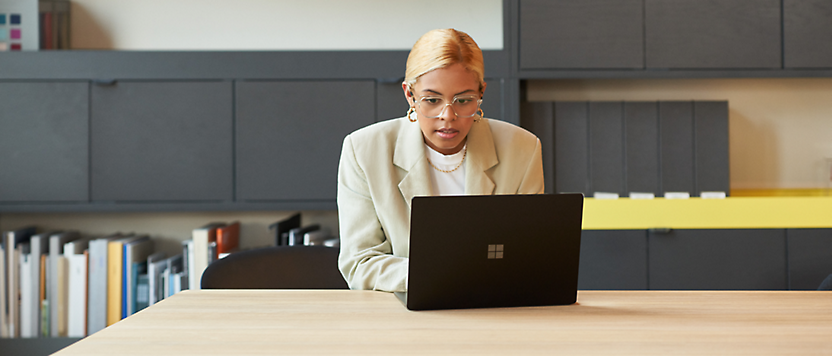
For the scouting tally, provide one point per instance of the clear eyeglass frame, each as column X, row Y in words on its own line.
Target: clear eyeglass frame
column 454, row 101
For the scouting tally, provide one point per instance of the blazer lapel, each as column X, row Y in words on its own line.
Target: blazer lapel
column 410, row 156
column 481, row 157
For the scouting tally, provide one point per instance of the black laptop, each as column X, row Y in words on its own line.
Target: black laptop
column 486, row 251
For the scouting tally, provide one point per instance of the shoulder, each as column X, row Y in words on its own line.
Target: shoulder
column 378, row 133
column 511, row 137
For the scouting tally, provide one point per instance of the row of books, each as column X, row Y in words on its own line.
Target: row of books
column 55, row 284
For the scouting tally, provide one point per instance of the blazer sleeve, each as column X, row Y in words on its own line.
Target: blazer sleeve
column 532, row 182
column 366, row 260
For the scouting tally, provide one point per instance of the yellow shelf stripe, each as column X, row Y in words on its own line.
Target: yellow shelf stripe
column 696, row 213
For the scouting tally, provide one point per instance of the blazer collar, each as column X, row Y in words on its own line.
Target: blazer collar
column 410, row 156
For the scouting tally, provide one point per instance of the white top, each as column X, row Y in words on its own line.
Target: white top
column 452, row 183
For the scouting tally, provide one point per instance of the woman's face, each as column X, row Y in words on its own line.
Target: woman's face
column 447, row 133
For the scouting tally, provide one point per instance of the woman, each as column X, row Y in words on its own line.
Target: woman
column 443, row 146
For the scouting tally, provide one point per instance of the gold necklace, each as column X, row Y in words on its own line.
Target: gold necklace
column 464, row 152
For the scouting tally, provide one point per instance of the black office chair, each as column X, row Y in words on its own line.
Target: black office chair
column 281, row 267
column 826, row 284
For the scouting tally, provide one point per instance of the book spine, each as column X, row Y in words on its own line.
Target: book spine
column 114, row 260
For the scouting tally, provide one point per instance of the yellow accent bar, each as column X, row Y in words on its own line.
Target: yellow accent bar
column 697, row 213
column 819, row 192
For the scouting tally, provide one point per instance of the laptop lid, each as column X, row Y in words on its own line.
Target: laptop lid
column 486, row 251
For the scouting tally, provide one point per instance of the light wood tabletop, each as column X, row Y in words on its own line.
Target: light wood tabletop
column 240, row 322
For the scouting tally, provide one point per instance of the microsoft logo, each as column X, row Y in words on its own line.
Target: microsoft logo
column 495, row 252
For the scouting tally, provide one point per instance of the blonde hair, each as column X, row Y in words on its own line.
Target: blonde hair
column 442, row 48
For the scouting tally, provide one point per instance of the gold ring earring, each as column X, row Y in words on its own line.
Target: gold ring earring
column 410, row 114
column 481, row 114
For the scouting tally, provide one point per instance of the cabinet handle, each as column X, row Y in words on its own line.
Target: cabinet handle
column 104, row 82
column 660, row 230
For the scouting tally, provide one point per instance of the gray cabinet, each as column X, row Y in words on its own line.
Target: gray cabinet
column 613, row 259
column 587, row 34
column 807, row 33
column 44, row 140
column 712, row 34
column 810, row 257
column 718, row 259
column 162, row 141
column 289, row 136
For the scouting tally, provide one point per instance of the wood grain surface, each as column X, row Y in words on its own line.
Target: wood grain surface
column 237, row 322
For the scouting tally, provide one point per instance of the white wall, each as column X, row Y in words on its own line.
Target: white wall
column 780, row 129
column 277, row 24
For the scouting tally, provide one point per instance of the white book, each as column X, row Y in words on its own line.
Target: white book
column 136, row 253
column 188, row 262
column 202, row 237
column 13, row 239
column 56, row 250
column 97, row 289
column 77, row 295
column 39, row 246
column 4, row 322
column 156, row 265
column 27, row 323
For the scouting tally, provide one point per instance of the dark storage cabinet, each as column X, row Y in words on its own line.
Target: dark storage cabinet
column 613, row 259
column 712, row 34
column 626, row 147
column 162, row 141
column 718, row 259
column 44, row 142
column 587, row 34
column 807, row 33
column 289, row 136
column 810, row 257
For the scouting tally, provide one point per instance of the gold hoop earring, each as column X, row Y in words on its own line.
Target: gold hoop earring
column 481, row 114
column 410, row 114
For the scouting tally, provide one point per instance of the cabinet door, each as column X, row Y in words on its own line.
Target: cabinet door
column 807, row 33
column 567, row 34
column 162, row 141
column 613, row 259
column 810, row 257
column 712, row 33
column 718, row 259
column 290, row 133
column 44, row 142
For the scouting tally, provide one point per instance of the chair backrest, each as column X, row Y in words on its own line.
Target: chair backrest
column 281, row 267
column 826, row 284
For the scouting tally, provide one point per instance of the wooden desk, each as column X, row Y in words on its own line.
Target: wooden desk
column 225, row 322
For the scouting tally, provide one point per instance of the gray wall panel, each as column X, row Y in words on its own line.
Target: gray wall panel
column 641, row 147
column 390, row 101
column 44, row 140
column 718, row 259
column 289, row 135
column 613, row 259
column 606, row 154
column 676, row 146
column 711, row 134
column 539, row 118
column 492, row 100
column 712, row 34
column 581, row 34
column 810, row 257
column 571, row 148
column 807, row 33
column 162, row 141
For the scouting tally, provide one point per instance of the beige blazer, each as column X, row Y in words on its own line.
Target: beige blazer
column 383, row 166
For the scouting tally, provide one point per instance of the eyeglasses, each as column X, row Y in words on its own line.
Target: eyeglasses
column 463, row 105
